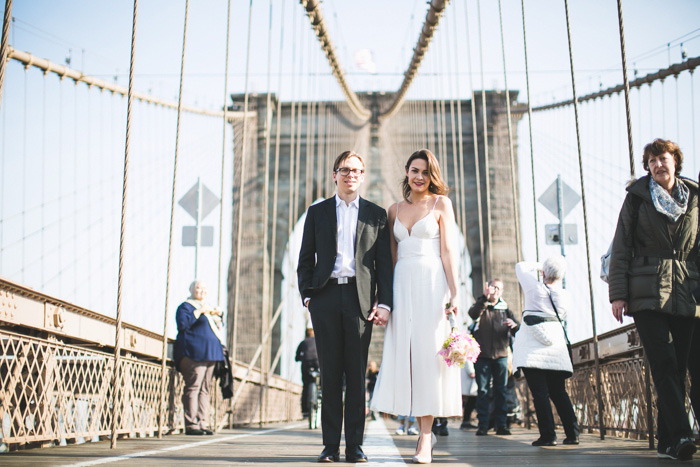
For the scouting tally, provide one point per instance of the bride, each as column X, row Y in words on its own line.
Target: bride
column 412, row 377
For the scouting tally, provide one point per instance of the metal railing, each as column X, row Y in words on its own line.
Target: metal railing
column 627, row 391
column 56, row 373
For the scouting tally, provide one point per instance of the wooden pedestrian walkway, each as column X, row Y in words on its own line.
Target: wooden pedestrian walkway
column 294, row 445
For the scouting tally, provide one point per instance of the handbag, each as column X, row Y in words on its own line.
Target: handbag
column 566, row 336
column 223, row 371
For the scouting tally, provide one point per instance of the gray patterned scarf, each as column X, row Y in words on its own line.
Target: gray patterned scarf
column 672, row 207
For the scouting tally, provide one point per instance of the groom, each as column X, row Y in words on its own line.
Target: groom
column 345, row 279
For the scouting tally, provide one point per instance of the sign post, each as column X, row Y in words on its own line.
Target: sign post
column 560, row 199
column 199, row 202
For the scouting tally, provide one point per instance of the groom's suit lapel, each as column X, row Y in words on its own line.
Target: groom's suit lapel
column 362, row 216
column 332, row 220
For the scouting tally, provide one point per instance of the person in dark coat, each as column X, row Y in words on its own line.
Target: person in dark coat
column 307, row 355
column 197, row 349
column 653, row 271
column 493, row 326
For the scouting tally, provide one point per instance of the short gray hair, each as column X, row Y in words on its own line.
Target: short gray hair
column 194, row 284
column 554, row 267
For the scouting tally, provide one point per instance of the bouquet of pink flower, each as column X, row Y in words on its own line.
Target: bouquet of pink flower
column 459, row 347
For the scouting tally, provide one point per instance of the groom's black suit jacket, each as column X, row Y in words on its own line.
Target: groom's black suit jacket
column 373, row 264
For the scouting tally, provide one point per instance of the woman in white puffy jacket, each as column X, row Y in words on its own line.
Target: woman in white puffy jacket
column 540, row 347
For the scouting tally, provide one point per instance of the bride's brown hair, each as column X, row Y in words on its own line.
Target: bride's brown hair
column 437, row 184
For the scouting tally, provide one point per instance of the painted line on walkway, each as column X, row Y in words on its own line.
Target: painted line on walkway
column 379, row 445
column 180, row 447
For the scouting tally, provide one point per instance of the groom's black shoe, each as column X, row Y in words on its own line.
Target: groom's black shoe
column 330, row 454
column 354, row 454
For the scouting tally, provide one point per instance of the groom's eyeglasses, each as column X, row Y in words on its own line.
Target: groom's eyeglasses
column 345, row 171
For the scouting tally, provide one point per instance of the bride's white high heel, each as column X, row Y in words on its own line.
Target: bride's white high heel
column 429, row 458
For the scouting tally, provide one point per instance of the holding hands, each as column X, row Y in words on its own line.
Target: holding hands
column 379, row 315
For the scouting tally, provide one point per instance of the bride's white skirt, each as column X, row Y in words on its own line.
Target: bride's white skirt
column 413, row 378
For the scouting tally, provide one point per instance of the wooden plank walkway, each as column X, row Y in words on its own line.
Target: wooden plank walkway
column 295, row 445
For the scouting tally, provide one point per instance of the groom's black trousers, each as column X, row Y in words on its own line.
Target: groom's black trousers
column 342, row 342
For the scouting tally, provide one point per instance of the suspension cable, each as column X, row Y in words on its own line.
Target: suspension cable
column 241, row 185
column 275, row 185
column 692, row 110
column 453, row 132
column 529, row 127
column 690, row 64
column 626, row 86
column 116, row 376
column 432, row 18
column 585, row 228
column 489, row 253
column 292, row 130
column 477, row 170
column 313, row 11
column 460, row 142
column 223, row 148
column 516, row 211
column 266, row 219
column 172, row 213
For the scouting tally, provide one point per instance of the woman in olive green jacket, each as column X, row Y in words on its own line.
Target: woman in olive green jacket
column 653, row 270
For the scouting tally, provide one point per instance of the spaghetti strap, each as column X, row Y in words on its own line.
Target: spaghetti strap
column 436, row 201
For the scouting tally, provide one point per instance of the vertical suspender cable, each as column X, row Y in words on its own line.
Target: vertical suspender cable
column 678, row 116
column 223, row 149
column 222, row 184
column 477, row 170
column 529, row 127
column 443, row 120
column 663, row 108
column 649, row 414
column 320, row 170
column 308, row 173
column 300, row 120
column 4, row 44
column 453, row 130
column 292, row 129
column 297, row 160
column 172, row 212
column 266, row 299
column 585, row 226
column 627, row 86
column 275, row 185
column 223, row 172
column 516, row 216
column 489, row 253
column 460, row 136
column 532, row 168
column 692, row 110
column 116, row 375
column 239, row 236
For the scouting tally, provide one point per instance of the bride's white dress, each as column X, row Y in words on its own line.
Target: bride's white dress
column 413, row 378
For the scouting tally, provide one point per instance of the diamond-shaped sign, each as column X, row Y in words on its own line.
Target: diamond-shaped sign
column 189, row 201
column 549, row 199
